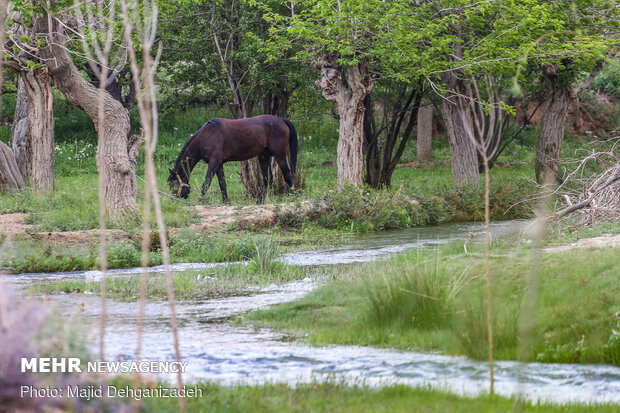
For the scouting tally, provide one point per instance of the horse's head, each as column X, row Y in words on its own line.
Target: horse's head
column 179, row 185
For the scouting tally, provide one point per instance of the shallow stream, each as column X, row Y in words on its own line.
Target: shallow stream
column 219, row 350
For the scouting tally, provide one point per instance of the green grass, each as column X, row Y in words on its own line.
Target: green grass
column 435, row 302
column 566, row 231
column 327, row 397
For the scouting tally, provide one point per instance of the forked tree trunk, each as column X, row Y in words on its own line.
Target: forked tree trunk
column 278, row 185
column 425, row 132
column 464, row 156
column 348, row 87
column 120, row 189
column 20, row 130
column 10, row 177
column 251, row 176
column 277, row 104
column 383, row 155
column 39, row 90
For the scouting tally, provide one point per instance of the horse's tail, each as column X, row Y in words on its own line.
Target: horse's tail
column 292, row 144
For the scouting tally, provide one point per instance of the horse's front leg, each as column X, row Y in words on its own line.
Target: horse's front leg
column 222, row 181
column 210, row 172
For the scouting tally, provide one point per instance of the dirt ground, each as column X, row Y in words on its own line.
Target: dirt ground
column 600, row 241
column 13, row 224
column 245, row 216
column 242, row 217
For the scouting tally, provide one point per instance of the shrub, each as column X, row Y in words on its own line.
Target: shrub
column 265, row 257
column 412, row 296
column 123, row 255
column 190, row 246
column 362, row 209
column 469, row 325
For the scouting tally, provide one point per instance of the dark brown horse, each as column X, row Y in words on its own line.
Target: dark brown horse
column 224, row 140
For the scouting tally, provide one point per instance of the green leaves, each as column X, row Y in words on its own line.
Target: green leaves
column 34, row 65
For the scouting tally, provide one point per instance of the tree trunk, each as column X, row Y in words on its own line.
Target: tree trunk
column 348, row 87
column 552, row 127
column 39, row 90
column 120, row 189
column 397, row 112
column 370, row 146
column 251, row 177
column 10, row 177
column 464, row 156
column 559, row 96
column 349, row 154
column 457, row 118
column 425, row 132
column 558, row 99
column 20, row 131
column 276, row 103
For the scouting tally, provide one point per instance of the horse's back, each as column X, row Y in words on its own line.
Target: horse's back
column 260, row 120
column 264, row 128
column 241, row 139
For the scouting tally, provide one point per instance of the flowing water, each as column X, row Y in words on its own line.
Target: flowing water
column 219, row 350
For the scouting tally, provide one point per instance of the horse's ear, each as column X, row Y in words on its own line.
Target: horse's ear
column 171, row 171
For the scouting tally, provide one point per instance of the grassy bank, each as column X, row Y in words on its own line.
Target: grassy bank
column 262, row 267
column 319, row 397
column 31, row 255
column 434, row 301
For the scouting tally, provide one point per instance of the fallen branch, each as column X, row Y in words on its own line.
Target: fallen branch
column 596, row 195
column 586, row 201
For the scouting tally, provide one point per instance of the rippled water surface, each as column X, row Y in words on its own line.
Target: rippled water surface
column 217, row 349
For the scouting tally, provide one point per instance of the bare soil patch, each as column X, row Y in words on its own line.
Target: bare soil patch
column 600, row 241
column 12, row 224
column 90, row 236
column 244, row 216
column 220, row 216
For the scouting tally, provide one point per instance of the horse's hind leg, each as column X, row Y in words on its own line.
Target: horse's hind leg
column 286, row 172
column 263, row 160
column 222, row 181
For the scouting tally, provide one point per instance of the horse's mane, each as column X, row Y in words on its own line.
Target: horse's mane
column 190, row 140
